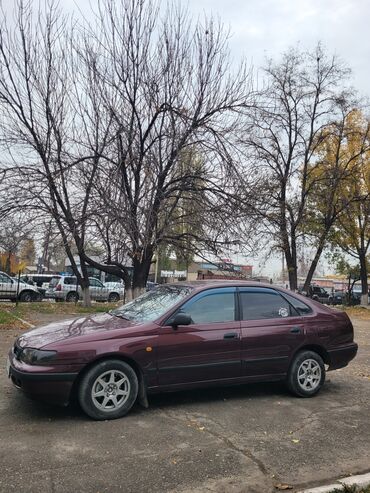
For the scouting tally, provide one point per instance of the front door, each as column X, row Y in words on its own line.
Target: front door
column 8, row 288
column 206, row 350
column 272, row 330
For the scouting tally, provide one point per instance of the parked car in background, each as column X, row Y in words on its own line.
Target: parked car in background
column 116, row 286
column 66, row 289
column 42, row 281
column 9, row 288
column 181, row 336
column 337, row 298
column 317, row 293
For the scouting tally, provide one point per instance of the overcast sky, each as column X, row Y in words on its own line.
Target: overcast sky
column 263, row 28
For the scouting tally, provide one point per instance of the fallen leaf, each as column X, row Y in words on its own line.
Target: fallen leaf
column 295, row 440
column 282, row 486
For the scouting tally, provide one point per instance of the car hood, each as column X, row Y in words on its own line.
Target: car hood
column 95, row 326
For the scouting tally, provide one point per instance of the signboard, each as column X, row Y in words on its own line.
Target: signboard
column 173, row 273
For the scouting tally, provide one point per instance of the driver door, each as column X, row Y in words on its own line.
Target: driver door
column 209, row 349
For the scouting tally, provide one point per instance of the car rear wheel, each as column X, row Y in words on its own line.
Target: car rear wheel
column 72, row 297
column 113, row 297
column 26, row 296
column 108, row 390
column 307, row 374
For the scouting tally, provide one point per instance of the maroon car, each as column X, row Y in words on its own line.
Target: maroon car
column 179, row 336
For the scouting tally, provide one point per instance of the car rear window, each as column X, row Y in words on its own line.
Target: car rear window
column 301, row 307
column 263, row 303
column 70, row 280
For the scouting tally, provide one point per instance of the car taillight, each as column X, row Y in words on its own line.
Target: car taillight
column 58, row 287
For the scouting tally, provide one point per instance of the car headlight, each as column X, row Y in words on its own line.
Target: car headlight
column 36, row 356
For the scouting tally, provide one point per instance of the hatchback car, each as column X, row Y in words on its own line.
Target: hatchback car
column 181, row 336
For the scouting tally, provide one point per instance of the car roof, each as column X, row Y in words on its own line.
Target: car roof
column 220, row 283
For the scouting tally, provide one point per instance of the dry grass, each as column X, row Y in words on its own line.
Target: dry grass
column 359, row 312
column 11, row 316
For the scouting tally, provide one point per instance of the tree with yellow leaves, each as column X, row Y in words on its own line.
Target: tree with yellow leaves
column 340, row 200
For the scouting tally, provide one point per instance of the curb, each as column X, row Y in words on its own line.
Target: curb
column 360, row 481
column 31, row 326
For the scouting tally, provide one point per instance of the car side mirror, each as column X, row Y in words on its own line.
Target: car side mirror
column 181, row 319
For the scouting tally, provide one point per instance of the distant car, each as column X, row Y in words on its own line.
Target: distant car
column 66, row 289
column 337, row 298
column 317, row 293
column 182, row 336
column 151, row 285
column 9, row 288
column 42, row 281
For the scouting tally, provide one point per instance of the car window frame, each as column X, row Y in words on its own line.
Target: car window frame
column 199, row 295
column 311, row 312
column 240, row 289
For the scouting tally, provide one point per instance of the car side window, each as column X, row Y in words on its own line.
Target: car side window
column 263, row 303
column 70, row 280
column 301, row 307
column 215, row 305
column 4, row 278
column 95, row 283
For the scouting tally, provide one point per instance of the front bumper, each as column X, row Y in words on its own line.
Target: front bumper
column 340, row 357
column 48, row 386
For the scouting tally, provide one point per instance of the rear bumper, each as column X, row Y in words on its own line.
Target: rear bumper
column 340, row 357
column 54, row 388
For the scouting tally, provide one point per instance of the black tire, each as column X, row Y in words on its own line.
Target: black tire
column 296, row 379
column 26, row 296
column 89, row 382
column 113, row 297
column 72, row 297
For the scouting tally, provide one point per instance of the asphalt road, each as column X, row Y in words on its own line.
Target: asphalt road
column 243, row 439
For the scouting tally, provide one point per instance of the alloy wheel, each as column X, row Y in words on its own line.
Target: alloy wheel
column 110, row 390
column 309, row 374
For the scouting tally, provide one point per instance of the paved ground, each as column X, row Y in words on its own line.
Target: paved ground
column 244, row 439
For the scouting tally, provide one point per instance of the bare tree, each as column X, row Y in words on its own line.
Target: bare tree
column 303, row 95
column 40, row 128
column 169, row 87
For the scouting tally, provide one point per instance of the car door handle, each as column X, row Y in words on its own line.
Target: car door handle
column 231, row 335
column 295, row 330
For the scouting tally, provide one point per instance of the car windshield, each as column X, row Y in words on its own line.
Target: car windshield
column 152, row 304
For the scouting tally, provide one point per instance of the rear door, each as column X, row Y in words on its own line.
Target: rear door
column 208, row 349
column 272, row 330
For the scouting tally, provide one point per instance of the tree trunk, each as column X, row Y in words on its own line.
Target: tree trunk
column 86, row 298
column 140, row 274
column 363, row 276
column 291, row 263
column 313, row 265
column 85, row 284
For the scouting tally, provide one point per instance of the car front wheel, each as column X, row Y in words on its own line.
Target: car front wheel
column 26, row 296
column 307, row 374
column 108, row 390
column 113, row 297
